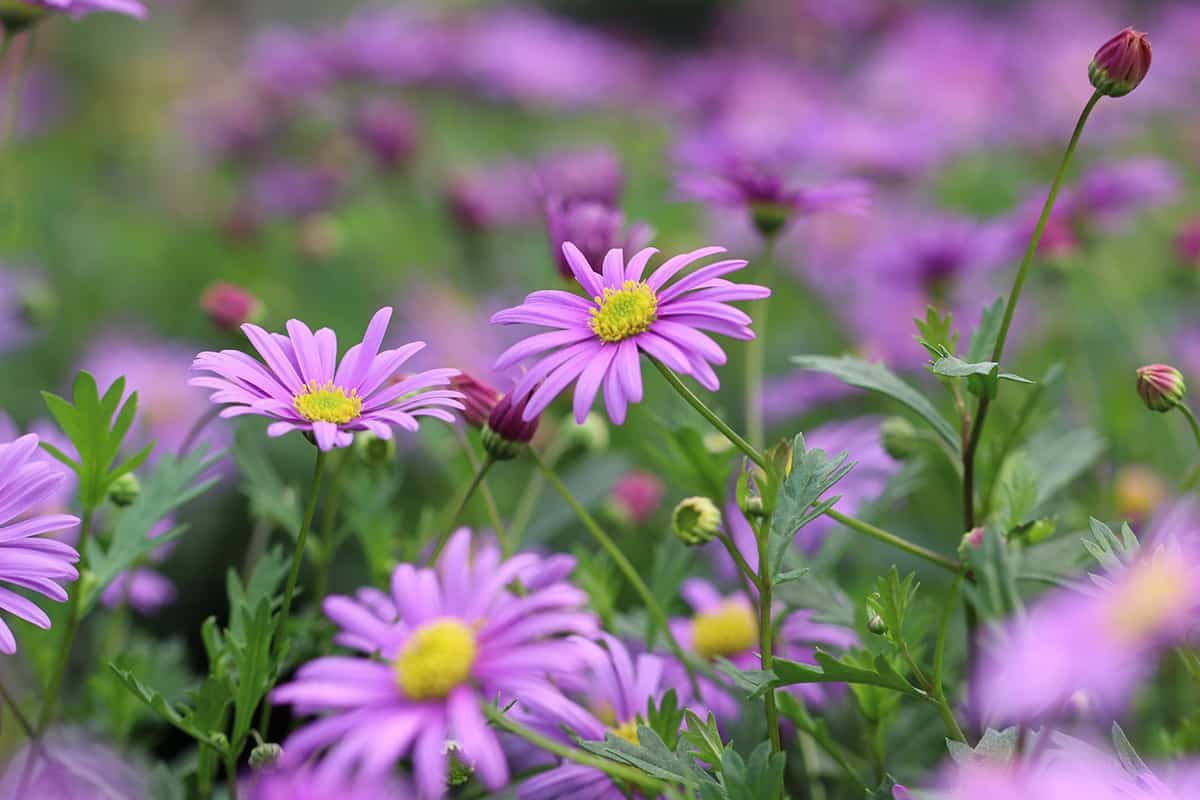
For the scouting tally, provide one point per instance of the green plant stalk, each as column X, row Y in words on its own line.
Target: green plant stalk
column 74, row 612
column 1191, row 418
column 758, row 458
column 527, row 502
column 448, row 525
column 18, row 715
column 627, row 569
column 613, row 769
column 289, row 591
column 756, row 348
column 328, row 518
column 231, row 774
column 766, row 630
column 489, row 500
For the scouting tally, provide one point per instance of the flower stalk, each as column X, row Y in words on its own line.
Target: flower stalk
column 464, row 498
column 74, row 613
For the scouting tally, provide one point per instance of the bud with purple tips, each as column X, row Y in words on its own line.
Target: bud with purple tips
column 1120, row 64
column 505, row 431
column 479, row 398
column 1160, row 386
column 595, row 228
column 387, row 131
column 229, row 306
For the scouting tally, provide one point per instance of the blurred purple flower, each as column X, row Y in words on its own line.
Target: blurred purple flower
column 60, row 498
column 285, row 64
column 594, row 228
column 28, row 559
column 460, row 638
column 295, row 190
column 20, row 291
column 1108, row 195
column 387, row 131
column 580, row 176
column 637, row 495
column 1187, row 242
column 43, row 100
column 500, row 195
column 789, row 396
column 456, row 327
column 392, row 45
column 1105, row 639
column 610, row 694
column 144, row 589
column 157, row 369
column 307, row 782
column 75, row 8
column 70, row 765
column 727, row 627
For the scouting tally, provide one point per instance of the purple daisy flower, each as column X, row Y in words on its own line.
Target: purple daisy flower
column 70, row 765
column 741, row 184
column 612, row 692
column 459, row 638
column 1106, row 639
column 30, row 9
column 307, row 783
column 598, row 341
column 302, row 386
column 595, row 228
column 28, row 559
column 727, row 627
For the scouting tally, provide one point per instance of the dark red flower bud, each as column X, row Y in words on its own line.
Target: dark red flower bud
column 506, row 431
column 479, row 398
column 229, row 306
column 1121, row 63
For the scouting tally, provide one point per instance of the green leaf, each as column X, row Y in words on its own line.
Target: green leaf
column 1017, row 492
column 270, row 498
column 996, row 747
column 665, row 717
column 891, row 600
column 1111, row 552
column 983, row 341
column 252, row 660
column 996, row 566
column 1130, row 760
column 759, row 778
column 854, row 668
column 817, row 728
column 197, row 726
column 705, row 738
column 811, row 475
column 952, row 367
column 173, row 482
column 878, row 378
column 1060, row 456
column 652, row 756
column 935, row 330
column 262, row 587
column 682, row 453
column 791, row 575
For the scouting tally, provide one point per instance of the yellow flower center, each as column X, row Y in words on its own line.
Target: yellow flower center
column 438, row 657
column 1151, row 595
column 624, row 312
column 327, row 403
column 627, row 731
column 728, row 630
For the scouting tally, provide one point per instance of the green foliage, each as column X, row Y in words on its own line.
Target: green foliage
column 795, row 504
column 199, row 720
column 1111, row 552
column 96, row 427
column 684, row 456
column 878, row 378
column 162, row 664
column 996, row 566
column 665, row 717
column 652, row 756
column 996, row 747
column 173, row 482
column 704, row 738
column 983, row 341
column 1061, row 456
column 936, row 330
column 271, row 499
column 760, row 777
column 891, row 600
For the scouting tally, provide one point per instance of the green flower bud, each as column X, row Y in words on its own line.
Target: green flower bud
column 696, row 520
column 460, row 771
column 592, row 434
column 125, row 490
column 752, row 507
column 875, row 623
column 373, row 450
column 899, row 438
column 265, row 754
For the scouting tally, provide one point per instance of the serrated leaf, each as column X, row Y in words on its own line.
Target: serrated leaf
column 878, row 378
column 181, row 717
column 1017, row 492
column 796, row 504
column 995, row 747
column 891, row 600
column 760, row 777
column 994, row 591
column 705, row 738
column 1111, row 552
column 984, row 339
column 1061, row 456
column 262, row 587
column 252, row 660
column 665, row 717
column 872, row 672
column 652, row 756
column 270, row 498
column 952, row 367
column 935, row 330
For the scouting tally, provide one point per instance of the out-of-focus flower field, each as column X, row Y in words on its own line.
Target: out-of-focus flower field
column 735, row 530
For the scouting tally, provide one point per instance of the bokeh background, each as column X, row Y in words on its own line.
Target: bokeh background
column 331, row 158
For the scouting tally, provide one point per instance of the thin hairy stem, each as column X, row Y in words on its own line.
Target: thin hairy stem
column 756, row 348
column 489, row 500
column 328, row 520
column 448, row 525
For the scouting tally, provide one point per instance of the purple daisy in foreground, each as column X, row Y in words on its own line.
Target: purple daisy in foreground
column 304, row 388
column 305, row 783
column 727, row 627
column 460, row 638
column 611, row 696
column 28, row 559
column 599, row 341
column 69, row 764
column 1106, row 639
column 30, row 10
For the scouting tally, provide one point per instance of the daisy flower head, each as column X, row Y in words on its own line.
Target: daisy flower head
column 302, row 386
column 726, row 626
column 29, row 560
column 610, row 695
column 597, row 340
column 446, row 640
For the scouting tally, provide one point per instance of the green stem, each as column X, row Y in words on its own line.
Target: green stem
column 448, row 526
column 766, row 633
column 748, row 574
column 1191, row 418
column 328, row 518
column 1036, row 238
column 527, row 502
column 756, row 349
column 18, row 715
column 939, row 660
column 611, row 768
column 231, row 773
column 867, row 529
column 489, row 500
column 631, row 574
column 289, row 590
column 695, row 402
column 74, row 612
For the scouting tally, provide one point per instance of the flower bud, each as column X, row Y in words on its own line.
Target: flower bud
column 505, row 431
column 479, row 398
column 373, row 450
column 39, row 304
column 899, row 438
column 591, row 435
column 265, row 755
column 696, row 520
column 125, row 490
column 387, row 131
column 770, row 218
column 460, row 770
column 752, row 507
column 1120, row 64
column 229, row 306
column 971, row 540
column 1160, row 386
column 636, row 496
column 875, row 623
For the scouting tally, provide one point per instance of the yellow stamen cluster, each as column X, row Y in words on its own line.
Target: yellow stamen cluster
column 624, row 312
column 627, row 731
column 726, row 631
column 1153, row 594
column 437, row 658
column 327, row 403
